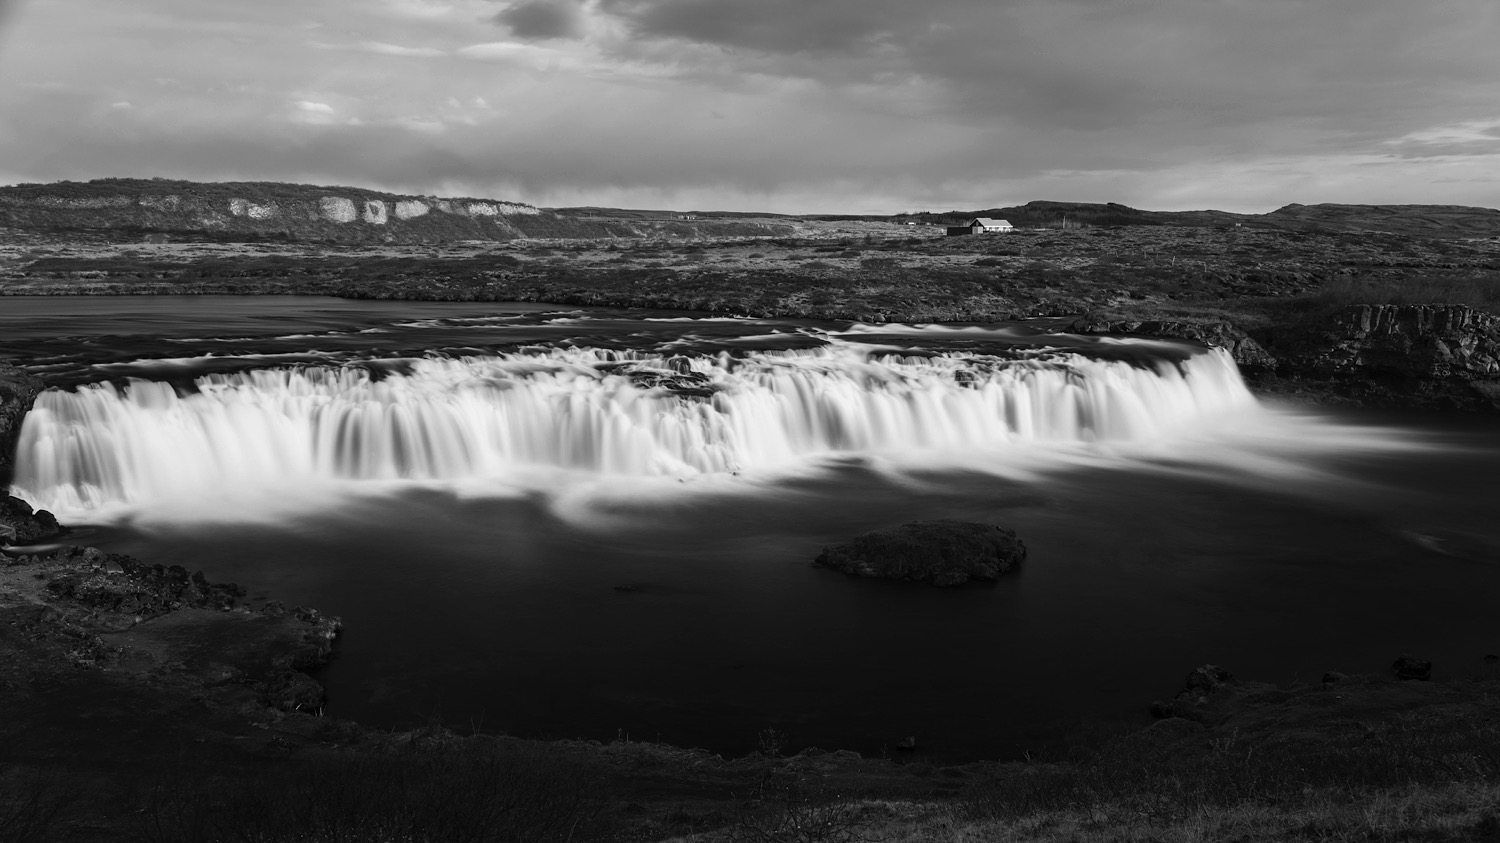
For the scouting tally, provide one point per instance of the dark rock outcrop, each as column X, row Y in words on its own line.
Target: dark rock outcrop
column 679, row 379
column 159, row 630
column 944, row 553
column 1411, row 667
column 18, row 388
column 1436, row 355
column 1409, row 340
column 19, row 524
column 1209, row 693
column 291, row 690
column 1248, row 354
column 1197, row 694
column 112, row 582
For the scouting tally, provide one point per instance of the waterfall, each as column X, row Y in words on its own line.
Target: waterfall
column 590, row 410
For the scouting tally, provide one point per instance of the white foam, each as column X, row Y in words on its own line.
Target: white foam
column 569, row 420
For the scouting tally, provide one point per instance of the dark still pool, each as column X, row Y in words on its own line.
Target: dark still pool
column 565, row 523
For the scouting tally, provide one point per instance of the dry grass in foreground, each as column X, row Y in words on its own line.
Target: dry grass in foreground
column 1456, row 812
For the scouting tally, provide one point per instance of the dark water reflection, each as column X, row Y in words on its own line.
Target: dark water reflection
column 497, row 613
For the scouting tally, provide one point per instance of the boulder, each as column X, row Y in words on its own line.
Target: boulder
column 20, row 525
column 1411, row 667
column 943, row 553
column 291, row 690
column 1204, row 687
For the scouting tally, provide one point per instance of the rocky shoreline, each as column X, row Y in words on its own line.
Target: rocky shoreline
column 125, row 619
column 162, row 628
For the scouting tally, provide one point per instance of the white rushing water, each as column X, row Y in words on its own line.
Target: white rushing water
column 589, row 410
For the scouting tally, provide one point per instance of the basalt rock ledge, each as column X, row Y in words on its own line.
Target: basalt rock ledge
column 1411, row 355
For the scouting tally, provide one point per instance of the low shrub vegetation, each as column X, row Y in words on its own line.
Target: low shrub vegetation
column 457, row 791
column 1480, row 290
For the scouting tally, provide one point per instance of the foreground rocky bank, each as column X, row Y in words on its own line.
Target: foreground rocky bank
column 127, row 627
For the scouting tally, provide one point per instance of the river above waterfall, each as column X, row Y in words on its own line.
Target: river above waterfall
column 580, row 523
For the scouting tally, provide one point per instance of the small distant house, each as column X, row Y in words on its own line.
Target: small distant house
column 687, row 216
column 981, row 225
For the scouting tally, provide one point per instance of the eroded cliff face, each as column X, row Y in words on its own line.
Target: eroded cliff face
column 18, row 388
column 265, row 210
column 1426, row 341
column 1411, row 356
column 291, row 211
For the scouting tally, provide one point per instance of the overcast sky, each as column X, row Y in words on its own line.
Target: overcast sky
column 779, row 105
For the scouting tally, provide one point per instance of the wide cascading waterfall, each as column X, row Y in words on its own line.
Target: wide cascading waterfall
column 591, row 410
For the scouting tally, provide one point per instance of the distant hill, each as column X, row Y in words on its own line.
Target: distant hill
column 161, row 208
column 1416, row 220
column 1044, row 214
column 1424, row 220
column 595, row 212
column 257, row 211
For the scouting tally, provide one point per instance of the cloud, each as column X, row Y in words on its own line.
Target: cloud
column 782, row 104
column 1471, row 131
column 542, row 19
column 778, row 26
column 310, row 113
column 511, row 52
column 385, row 49
column 423, row 124
column 418, row 9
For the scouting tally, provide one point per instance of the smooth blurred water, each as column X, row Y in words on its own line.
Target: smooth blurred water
column 1277, row 544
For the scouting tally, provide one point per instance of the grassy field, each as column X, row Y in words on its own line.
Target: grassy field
column 1358, row 760
column 893, row 273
